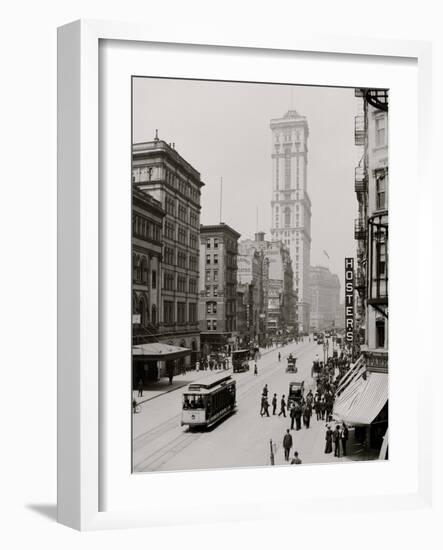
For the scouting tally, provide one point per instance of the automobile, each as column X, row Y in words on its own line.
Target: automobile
column 296, row 391
column 291, row 364
column 240, row 360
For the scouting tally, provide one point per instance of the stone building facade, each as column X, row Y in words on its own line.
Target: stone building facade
column 159, row 170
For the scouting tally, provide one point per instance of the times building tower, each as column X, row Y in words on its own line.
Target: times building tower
column 291, row 206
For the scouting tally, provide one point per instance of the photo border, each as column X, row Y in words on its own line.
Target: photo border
column 79, row 254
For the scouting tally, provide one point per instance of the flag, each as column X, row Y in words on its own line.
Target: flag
column 326, row 254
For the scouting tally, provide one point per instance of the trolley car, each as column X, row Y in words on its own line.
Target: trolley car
column 208, row 401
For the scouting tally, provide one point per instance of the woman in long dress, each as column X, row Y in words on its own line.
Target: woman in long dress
column 328, row 448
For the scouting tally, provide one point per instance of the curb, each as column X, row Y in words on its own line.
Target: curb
column 169, row 391
column 185, row 384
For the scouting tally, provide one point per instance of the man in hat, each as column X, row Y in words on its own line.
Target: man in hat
column 274, row 404
column 282, row 406
column 287, row 444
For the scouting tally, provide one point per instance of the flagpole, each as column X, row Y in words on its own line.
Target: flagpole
column 221, row 197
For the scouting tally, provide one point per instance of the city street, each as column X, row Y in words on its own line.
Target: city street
column 242, row 439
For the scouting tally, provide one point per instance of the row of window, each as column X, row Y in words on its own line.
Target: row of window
column 169, row 258
column 211, row 324
column 184, row 187
column 212, row 243
column 140, row 272
column 211, row 290
column 144, row 228
column 171, row 314
column 211, row 275
column 182, row 235
column 286, row 136
column 169, row 282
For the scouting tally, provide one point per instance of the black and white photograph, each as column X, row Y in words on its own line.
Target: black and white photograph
column 260, row 326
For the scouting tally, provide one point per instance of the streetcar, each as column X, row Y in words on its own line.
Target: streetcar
column 208, row 401
column 240, row 360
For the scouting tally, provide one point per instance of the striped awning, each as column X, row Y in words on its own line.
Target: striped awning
column 354, row 371
column 363, row 399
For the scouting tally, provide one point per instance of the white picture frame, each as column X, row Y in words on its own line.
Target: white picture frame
column 80, row 412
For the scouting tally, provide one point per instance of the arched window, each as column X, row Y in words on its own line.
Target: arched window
column 154, row 314
column 144, row 270
column 136, row 267
column 287, row 217
column 144, row 311
column 141, row 310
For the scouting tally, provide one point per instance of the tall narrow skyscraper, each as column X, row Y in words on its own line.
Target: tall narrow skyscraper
column 291, row 206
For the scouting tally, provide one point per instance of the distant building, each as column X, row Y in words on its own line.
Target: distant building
column 253, row 270
column 278, row 294
column 325, row 298
column 291, row 205
column 245, row 328
column 218, row 286
column 159, row 170
column 340, row 317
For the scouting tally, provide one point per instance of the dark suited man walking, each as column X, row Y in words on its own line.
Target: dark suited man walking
column 287, row 444
column 282, row 406
column 292, row 415
column 274, row 404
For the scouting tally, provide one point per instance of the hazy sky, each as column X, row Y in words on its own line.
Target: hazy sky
column 222, row 129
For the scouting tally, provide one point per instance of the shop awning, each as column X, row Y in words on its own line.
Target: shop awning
column 353, row 372
column 363, row 399
column 158, row 351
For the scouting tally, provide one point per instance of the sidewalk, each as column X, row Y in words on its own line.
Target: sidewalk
column 155, row 389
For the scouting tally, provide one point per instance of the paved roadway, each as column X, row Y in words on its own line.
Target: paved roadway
column 242, row 439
